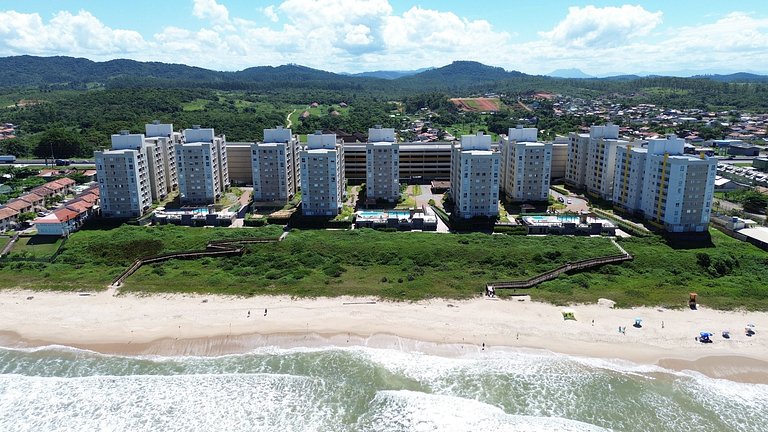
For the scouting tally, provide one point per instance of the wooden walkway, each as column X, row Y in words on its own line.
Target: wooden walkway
column 565, row 268
column 212, row 249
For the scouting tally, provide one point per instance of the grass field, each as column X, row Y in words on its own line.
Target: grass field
column 35, row 247
column 477, row 104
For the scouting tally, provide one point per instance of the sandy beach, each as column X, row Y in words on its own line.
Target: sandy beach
column 215, row 325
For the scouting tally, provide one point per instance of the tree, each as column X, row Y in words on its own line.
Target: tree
column 59, row 143
column 28, row 216
column 755, row 202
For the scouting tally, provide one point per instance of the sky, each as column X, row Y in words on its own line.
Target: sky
column 601, row 38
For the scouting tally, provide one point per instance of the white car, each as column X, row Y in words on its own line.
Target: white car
column 569, row 201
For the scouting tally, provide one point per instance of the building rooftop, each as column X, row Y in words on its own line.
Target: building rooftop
column 759, row 233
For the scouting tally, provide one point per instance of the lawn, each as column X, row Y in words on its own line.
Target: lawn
column 35, row 247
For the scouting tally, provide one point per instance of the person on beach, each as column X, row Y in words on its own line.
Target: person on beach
column 249, row 314
column 265, row 311
column 483, row 346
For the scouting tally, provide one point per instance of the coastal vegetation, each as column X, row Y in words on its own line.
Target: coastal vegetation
column 726, row 273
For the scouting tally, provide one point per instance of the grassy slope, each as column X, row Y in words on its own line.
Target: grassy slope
column 661, row 275
column 328, row 263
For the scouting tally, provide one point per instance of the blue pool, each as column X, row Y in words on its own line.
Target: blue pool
column 384, row 213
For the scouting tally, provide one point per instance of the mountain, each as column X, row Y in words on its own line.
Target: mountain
column 389, row 75
column 29, row 70
column 568, row 73
column 739, row 77
column 458, row 74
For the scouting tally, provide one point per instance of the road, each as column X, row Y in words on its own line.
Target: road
column 729, row 206
column 577, row 204
column 288, row 121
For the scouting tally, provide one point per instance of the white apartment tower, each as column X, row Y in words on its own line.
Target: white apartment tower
column 526, row 165
column 382, row 156
column 592, row 160
column 475, row 177
column 163, row 136
column 154, row 160
column 675, row 189
column 201, row 163
column 322, row 175
column 274, row 164
column 124, row 188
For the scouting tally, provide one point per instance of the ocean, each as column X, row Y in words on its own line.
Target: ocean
column 363, row 389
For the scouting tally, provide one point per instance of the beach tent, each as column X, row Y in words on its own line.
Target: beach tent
column 704, row 337
column 569, row 314
column 638, row 322
column 749, row 329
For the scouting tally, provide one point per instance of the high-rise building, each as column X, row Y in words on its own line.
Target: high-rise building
column 592, row 160
column 475, row 171
column 201, row 163
column 124, row 188
column 154, row 160
column 667, row 187
column 163, row 136
column 274, row 164
column 322, row 175
column 526, row 165
column 382, row 159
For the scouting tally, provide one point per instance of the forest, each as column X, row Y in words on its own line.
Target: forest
column 73, row 111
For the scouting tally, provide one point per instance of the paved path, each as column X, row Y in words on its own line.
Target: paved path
column 577, row 204
column 288, row 121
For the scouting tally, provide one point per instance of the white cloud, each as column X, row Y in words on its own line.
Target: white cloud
column 610, row 26
column 357, row 35
column 270, row 13
column 209, row 9
column 65, row 33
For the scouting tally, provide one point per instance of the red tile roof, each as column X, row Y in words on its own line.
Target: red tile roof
column 31, row 198
column 65, row 214
column 6, row 212
column 91, row 198
column 18, row 205
column 43, row 191
column 56, row 187
column 64, row 181
column 79, row 206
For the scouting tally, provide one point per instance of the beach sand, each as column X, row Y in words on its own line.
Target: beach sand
column 216, row 325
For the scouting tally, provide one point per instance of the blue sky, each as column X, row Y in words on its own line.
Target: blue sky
column 598, row 37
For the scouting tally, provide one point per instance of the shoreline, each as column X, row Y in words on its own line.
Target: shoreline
column 200, row 325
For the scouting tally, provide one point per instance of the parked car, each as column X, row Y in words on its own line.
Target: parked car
column 569, row 201
column 560, row 199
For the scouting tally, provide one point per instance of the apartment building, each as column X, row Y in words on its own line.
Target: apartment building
column 667, row 187
column 322, row 175
column 124, row 186
column 154, row 159
column 475, row 169
column 240, row 163
column 382, row 180
column 163, row 136
column 592, row 160
column 526, row 165
column 417, row 161
column 201, row 163
column 274, row 166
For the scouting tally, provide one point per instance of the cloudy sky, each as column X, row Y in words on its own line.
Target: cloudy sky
column 538, row 37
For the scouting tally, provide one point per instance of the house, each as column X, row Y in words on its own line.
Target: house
column 20, row 206
column 34, row 199
column 89, row 175
column 44, row 191
column 7, row 218
column 61, row 222
column 66, row 182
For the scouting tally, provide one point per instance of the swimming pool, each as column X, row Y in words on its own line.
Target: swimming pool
column 384, row 214
column 553, row 219
column 199, row 210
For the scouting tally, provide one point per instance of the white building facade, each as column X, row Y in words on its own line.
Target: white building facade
column 201, row 163
column 124, row 188
column 475, row 176
column 526, row 165
column 676, row 189
column 154, row 160
column 163, row 136
column 322, row 176
column 274, row 165
column 382, row 159
column 592, row 160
